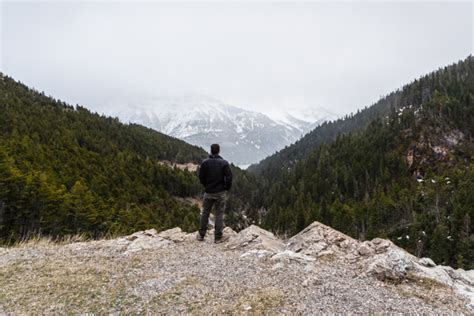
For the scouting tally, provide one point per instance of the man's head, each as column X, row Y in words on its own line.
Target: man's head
column 215, row 149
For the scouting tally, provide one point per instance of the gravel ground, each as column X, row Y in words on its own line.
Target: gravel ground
column 192, row 277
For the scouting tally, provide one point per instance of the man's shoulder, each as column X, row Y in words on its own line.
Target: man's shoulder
column 222, row 161
column 215, row 161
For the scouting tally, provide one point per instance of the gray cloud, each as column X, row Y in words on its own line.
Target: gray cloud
column 341, row 56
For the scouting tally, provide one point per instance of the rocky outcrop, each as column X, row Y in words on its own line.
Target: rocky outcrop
column 255, row 238
column 379, row 258
column 318, row 240
column 386, row 261
column 291, row 256
column 392, row 264
column 318, row 264
column 143, row 240
column 152, row 240
column 192, row 167
column 173, row 234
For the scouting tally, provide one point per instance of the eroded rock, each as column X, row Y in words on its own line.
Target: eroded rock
column 318, row 237
column 146, row 243
column 291, row 256
column 378, row 257
column 151, row 239
column 173, row 234
column 257, row 253
column 254, row 237
column 380, row 245
column 427, row 262
column 393, row 265
column 366, row 249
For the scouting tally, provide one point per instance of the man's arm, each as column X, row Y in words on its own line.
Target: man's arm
column 203, row 173
column 227, row 177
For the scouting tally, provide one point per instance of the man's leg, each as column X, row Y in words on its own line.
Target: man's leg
column 220, row 207
column 206, row 210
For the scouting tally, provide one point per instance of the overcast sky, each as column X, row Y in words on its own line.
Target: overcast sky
column 340, row 56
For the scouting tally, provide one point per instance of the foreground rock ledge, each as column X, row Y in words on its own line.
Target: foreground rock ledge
column 318, row 270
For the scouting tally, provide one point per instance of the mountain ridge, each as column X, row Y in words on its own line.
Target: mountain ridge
column 245, row 136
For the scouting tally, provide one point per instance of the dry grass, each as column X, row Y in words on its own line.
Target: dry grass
column 173, row 296
column 43, row 241
column 67, row 284
column 38, row 241
column 428, row 290
column 262, row 302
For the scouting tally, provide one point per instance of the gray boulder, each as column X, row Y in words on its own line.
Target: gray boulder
column 288, row 256
column 393, row 265
column 318, row 239
column 254, row 237
column 173, row 234
column 366, row 249
column 427, row 262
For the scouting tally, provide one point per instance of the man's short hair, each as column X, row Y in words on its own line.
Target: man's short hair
column 215, row 149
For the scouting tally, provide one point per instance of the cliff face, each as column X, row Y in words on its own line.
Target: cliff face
column 318, row 270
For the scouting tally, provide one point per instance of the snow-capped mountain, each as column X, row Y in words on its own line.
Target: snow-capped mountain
column 245, row 136
column 302, row 118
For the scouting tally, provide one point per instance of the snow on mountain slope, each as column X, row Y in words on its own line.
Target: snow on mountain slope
column 245, row 136
column 304, row 119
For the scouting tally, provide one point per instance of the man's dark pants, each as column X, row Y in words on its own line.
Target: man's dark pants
column 218, row 200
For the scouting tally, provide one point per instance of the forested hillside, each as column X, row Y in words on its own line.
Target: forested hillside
column 65, row 170
column 408, row 175
column 417, row 92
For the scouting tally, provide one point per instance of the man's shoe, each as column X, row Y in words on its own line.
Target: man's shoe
column 221, row 239
column 199, row 237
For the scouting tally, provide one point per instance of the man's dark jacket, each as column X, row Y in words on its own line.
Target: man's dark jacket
column 215, row 174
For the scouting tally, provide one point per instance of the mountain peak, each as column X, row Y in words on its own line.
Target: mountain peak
column 245, row 136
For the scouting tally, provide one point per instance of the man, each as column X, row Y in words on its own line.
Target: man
column 216, row 177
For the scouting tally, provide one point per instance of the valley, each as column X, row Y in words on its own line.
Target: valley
column 400, row 169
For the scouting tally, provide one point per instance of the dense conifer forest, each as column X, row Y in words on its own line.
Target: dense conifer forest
column 65, row 170
column 401, row 169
